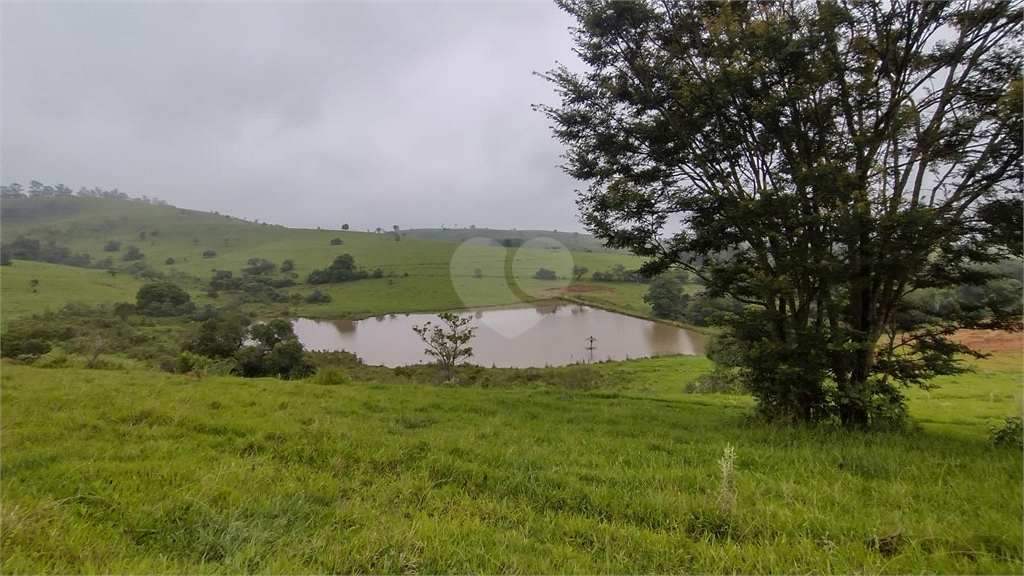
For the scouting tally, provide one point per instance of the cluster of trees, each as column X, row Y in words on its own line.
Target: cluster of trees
column 263, row 349
column 31, row 249
column 821, row 163
column 38, row 190
column 207, row 338
column 668, row 300
column 343, row 269
column 618, row 273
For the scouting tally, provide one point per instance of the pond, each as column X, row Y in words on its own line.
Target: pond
column 530, row 336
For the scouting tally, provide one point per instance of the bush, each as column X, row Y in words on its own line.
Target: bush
column 1011, row 433
column 545, row 274
column 337, row 241
column 318, row 297
column 32, row 345
column 275, row 351
column 330, row 376
column 287, row 266
column 169, row 261
column 112, row 246
column 163, row 299
column 132, row 253
column 192, row 362
column 259, row 266
column 209, row 254
column 5, row 259
column 343, row 269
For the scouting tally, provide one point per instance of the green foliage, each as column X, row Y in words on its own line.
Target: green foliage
column 13, row 344
column 448, row 344
column 781, row 153
column 169, row 261
column 163, row 299
column 666, row 298
column 337, row 241
column 275, row 351
column 343, row 269
column 132, row 253
column 330, row 376
column 112, row 246
column 288, row 265
column 209, row 253
column 619, row 273
column 1010, row 433
column 5, row 259
column 318, row 297
column 219, row 336
column 259, row 266
column 545, row 274
column 30, row 249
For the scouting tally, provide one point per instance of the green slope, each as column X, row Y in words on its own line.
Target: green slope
column 418, row 274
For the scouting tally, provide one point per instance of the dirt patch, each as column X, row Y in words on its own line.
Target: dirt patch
column 579, row 289
column 991, row 340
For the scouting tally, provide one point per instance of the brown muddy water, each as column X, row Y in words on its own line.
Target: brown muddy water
column 529, row 336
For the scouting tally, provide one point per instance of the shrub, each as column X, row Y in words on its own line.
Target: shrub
column 287, row 266
column 209, row 254
column 15, row 345
column 318, row 297
column 163, row 299
column 112, row 246
column 192, row 362
column 5, row 259
column 343, row 269
column 330, row 376
column 169, row 261
column 337, row 241
column 259, row 266
column 1010, row 433
column 132, row 253
column 545, row 274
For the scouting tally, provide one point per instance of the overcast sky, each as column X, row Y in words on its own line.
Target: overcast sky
column 303, row 114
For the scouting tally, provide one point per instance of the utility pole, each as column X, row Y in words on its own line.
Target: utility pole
column 591, row 340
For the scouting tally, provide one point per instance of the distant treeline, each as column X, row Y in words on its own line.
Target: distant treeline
column 40, row 190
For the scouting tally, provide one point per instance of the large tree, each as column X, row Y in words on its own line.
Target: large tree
column 820, row 162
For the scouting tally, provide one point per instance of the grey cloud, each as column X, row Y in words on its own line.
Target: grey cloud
column 300, row 113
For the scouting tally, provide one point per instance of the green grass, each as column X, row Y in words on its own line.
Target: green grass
column 59, row 285
column 136, row 471
column 418, row 271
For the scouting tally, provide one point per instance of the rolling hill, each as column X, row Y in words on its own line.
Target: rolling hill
column 417, row 273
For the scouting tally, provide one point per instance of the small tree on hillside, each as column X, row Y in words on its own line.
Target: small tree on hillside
column 132, row 253
column 448, row 344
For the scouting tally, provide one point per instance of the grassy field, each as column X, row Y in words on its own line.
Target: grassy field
column 418, row 272
column 137, row 471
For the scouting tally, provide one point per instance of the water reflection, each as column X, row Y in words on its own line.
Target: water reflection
column 552, row 335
